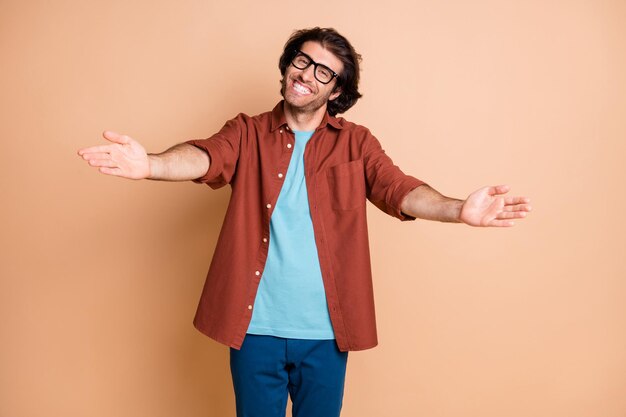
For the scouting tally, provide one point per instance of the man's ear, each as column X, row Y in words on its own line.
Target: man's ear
column 335, row 94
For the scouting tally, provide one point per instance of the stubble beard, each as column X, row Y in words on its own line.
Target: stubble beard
column 308, row 108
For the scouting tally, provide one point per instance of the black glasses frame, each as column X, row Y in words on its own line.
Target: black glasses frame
column 315, row 66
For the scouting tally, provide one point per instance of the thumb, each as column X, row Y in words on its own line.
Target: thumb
column 115, row 137
column 499, row 189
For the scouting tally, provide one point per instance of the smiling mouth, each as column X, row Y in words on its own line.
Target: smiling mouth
column 301, row 88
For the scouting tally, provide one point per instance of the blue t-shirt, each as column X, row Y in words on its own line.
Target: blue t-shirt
column 291, row 301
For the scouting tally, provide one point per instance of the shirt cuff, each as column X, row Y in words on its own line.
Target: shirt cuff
column 211, row 174
column 408, row 185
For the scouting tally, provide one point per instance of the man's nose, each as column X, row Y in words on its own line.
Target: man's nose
column 308, row 73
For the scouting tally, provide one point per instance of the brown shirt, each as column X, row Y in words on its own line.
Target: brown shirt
column 344, row 166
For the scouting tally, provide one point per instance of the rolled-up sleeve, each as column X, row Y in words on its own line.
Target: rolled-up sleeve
column 223, row 149
column 387, row 185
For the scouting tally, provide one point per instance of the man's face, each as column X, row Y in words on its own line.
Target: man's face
column 301, row 89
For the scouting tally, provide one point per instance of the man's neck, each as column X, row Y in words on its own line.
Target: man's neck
column 303, row 120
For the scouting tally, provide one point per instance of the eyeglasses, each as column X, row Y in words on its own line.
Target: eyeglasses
column 321, row 72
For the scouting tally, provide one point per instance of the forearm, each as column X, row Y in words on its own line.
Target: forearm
column 427, row 203
column 181, row 162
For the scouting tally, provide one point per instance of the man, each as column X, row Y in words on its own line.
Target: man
column 289, row 288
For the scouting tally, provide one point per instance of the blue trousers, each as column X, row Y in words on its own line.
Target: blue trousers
column 269, row 368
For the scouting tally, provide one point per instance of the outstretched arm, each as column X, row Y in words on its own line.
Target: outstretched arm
column 125, row 157
column 486, row 206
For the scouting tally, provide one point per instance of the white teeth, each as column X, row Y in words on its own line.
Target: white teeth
column 300, row 88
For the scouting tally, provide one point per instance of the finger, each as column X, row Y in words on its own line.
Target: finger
column 517, row 200
column 111, row 171
column 96, row 155
column 502, row 223
column 102, row 163
column 517, row 207
column 115, row 137
column 96, row 149
column 511, row 215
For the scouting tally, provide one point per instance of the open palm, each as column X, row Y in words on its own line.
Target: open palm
column 488, row 207
column 124, row 157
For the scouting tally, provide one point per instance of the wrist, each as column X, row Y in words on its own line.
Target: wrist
column 458, row 218
column 153, row 165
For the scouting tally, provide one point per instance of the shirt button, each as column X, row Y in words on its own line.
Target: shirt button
column 281, row 131
column 250, row 307
column 287, row 128
column 280, row 175
column 264, row 240
column 257, row 273
column 268, row 205
column 289, row 145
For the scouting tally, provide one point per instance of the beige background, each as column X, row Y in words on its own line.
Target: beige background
column 101, row 276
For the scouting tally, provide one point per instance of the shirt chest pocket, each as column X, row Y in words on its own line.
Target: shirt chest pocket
column 346, row 185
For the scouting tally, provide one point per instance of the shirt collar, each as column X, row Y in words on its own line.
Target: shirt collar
column 279, row 119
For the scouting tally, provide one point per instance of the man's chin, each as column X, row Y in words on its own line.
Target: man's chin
column 301, row 105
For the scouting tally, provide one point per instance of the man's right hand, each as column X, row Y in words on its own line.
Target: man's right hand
column 124, row 157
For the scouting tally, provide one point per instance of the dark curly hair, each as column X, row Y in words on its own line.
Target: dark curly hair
column 331, row 40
